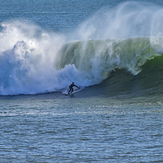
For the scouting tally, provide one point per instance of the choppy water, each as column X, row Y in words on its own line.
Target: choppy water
column 80, row 130
column 112, row 50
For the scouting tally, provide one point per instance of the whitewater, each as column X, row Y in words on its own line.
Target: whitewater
column 113, row 50
column 35, row 61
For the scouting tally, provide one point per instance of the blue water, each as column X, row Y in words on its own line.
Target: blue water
column 52, row 14
column 41, row 129
column 112, row 50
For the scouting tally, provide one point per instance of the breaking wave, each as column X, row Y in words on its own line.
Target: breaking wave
column 128, row 38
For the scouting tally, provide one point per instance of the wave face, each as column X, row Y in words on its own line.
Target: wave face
column 100, row 57
column 34, row 61
column 118, row 60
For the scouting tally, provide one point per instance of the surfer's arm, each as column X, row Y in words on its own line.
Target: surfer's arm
column 77, row 86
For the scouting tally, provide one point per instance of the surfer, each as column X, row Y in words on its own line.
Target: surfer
column 71, row 87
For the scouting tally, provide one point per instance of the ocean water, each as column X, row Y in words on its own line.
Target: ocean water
column 113, row 50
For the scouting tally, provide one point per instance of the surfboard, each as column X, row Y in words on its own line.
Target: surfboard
column 75, row 91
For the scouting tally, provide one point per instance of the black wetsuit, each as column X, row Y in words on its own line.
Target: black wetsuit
column 71, row 88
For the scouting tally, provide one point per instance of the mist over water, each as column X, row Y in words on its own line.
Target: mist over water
column 129, row 19
column 29, row 54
